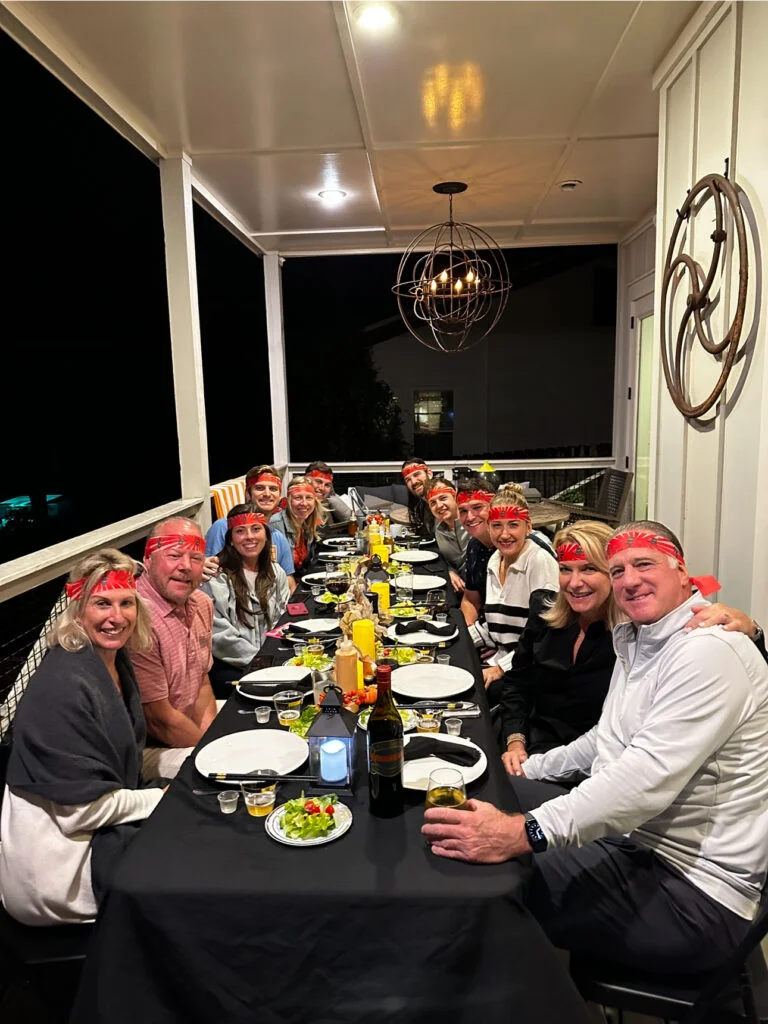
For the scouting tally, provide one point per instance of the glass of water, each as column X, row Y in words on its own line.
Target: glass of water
column 404, row 587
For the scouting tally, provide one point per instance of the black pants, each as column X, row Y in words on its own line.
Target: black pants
column 223, row 678
column 616, row 899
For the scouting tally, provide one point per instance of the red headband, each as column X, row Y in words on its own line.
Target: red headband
column 571, row 552
column 509, row 512
column 180, row 541
column 115, row 579
column 440, row 488
column 643, row 539
column 629, row 539
column 245, row 519
column 415, row 468
column 267, row 477
column 302, row 488
column 465, row 497
column 317, row 475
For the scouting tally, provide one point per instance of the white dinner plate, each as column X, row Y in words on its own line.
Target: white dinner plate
column 315, row 577
column 414, row 555
column 419, row 639
column 313, row 625
column 421, row 583
column 416, row 773
column 347, row 542
column 273, row 826
column 278, row 674
column 431, row 682
column 255, row 750
column 336, row 556
column 409, row 719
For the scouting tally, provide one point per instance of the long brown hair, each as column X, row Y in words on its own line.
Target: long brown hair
column 311, row 525
column 231, row 563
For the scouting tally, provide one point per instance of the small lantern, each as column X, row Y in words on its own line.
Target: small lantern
column 331, row 738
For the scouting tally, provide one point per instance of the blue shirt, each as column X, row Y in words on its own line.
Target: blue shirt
column 214, row 542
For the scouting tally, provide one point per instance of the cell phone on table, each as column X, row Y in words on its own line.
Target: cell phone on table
column 296, row 608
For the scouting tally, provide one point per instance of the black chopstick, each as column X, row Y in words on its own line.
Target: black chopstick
column 256, row 777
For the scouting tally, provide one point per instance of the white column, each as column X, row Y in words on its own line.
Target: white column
column 278, row 388
column 181, row 273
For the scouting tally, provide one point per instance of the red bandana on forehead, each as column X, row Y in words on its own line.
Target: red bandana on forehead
column 263, row 478
column 301, row 489
column 439, row 488
column 177, row 541
column 631, row 539
column 245, row 519
column 465, row 497
column 642, row 539
column 509, row 512
column 115, row 579
column 417, row 467
column 571, row 552
column 317, row 475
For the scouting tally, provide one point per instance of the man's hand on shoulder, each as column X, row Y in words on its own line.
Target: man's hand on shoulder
column 731, row 619
column 479, row 833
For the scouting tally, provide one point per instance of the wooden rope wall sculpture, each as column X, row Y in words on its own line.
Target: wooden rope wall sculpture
column 724, row 195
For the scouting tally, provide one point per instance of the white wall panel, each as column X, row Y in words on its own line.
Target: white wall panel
column 714, row 105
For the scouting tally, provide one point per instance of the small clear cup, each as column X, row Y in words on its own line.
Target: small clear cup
column 453, row 726
column 443, row 659
column 262, row 715
column 428, row 723
column 228, row 801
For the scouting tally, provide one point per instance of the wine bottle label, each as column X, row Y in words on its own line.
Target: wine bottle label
column 386, row 758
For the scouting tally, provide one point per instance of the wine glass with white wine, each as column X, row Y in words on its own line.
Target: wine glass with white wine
column 446, row 788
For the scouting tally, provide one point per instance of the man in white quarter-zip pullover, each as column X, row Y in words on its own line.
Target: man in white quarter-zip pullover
column 658, row 857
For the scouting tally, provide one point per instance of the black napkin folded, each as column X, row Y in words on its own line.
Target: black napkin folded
column 456, row 753
column 303, row 631
column 270, row 687
column 422, row 626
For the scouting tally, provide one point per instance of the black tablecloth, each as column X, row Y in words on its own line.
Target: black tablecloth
column 210, row 920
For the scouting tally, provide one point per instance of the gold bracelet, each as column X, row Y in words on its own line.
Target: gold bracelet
column 516, row 737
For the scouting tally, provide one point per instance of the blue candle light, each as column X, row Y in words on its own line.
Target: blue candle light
column 333, row 761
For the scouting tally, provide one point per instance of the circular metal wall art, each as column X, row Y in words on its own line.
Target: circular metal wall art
column 725, row 197
column 452, row 282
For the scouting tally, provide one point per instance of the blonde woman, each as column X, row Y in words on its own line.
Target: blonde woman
column 74, row 795
column 520, row 578
column 300, row 521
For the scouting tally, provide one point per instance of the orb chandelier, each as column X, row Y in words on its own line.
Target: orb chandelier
column 453, row 294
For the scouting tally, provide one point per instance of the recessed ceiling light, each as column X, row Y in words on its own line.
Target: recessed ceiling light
column 332, row 195
column 375, row 17
column 570, row 185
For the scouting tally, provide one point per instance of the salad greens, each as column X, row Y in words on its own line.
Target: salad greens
column 328, row 598
column 316, row 661
column 301, row 726
column 309, row 818
column 403, row 655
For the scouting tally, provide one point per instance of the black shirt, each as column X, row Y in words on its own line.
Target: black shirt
column 546, row 695
column 478, row 556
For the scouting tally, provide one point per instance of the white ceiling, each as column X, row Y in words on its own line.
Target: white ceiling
column 274, row 101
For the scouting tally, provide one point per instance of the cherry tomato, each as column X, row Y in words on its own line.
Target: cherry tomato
column 330, row 810
column 311, row 807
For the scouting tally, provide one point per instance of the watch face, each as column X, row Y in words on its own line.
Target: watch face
column 536, row 836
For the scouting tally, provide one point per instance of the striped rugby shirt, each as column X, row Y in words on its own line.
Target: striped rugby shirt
column 507, row 607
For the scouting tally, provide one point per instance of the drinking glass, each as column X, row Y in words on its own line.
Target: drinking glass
column 428, row 723
column 453, row 726
column 404, row 587
column 262, row 715
column 228, row 801
column 288, row 706
column 298, row 650
column 338, row 583
column 259, row 804
column 446, row 788
column 424, row 658
column 443, row 659
column 441, row 618
column 317, row 590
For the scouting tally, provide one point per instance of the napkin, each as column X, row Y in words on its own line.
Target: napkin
column 421, row 626
column 303, row 631
column 269, row 687
column 456, row 753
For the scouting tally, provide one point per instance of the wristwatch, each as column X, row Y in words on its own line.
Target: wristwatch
column 536, row 837
column 758, row 636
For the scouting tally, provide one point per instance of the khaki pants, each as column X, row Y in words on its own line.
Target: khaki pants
column 166, row 762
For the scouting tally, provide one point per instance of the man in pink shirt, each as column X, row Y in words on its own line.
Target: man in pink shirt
column 173, row 675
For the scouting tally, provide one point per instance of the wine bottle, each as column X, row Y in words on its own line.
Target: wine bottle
column 385, row 751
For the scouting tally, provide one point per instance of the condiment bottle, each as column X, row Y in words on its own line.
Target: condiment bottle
column 346, row 666
column 374, row 537
column 382, row 551
column 376, row 573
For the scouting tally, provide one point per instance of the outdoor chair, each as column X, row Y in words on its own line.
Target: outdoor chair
column 611, row 499
column 738, row 992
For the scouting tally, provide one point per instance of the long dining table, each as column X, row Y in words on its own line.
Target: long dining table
column 210, row 920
